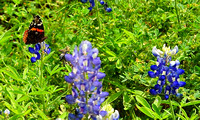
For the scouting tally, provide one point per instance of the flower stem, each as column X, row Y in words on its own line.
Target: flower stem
column 86, row 97
column 41, row 79
column 98, row 18
column 172, row 109
column 177, row 14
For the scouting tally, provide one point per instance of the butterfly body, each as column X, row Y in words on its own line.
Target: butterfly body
column 35, row 33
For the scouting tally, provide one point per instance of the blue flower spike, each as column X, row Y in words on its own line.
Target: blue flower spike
column 85, row 80
column 45, row 48
column 167, row 72
column 92, row 4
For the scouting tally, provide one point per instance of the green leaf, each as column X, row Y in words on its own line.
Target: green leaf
column 42, row 115
column 12, row 72
column 111, row 53
column 173, row 102
column 112, row 98
column 25, row 72
column 191, row 103
column 182, row 118
column 64, row 115
column 130, row 34
column 119, row 64
column 48, row 56
column 155, row 108
column 184, row 113
column 157, row 101
column 143, row 102
column 56, row 69
column 68, row 67
column 38, row 93
column 4, row 37
column 24, row 98
column 146, row 111
column 126, row 101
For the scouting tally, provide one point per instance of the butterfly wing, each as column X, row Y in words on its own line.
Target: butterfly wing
column 35, row 33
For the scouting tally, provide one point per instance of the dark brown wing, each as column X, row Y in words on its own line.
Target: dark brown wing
column 35, row 33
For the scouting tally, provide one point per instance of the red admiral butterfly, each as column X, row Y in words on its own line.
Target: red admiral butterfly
column 35, row 33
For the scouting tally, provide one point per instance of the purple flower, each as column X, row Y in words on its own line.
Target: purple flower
column 92, row 4
column 87, row 89
column 36, row 49
column 167, row 71
column 76, row 116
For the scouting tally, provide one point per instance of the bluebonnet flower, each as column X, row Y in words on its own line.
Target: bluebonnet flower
column 167, row 72
column 45, row 49
column 92, row 4
column 85, row 76
column 76, row 116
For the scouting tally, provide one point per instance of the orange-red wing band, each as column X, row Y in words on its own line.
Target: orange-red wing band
column 36, row 29
column 25, row 36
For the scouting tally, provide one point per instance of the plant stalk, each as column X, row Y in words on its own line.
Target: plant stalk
column 41, row 78
column 172, row 109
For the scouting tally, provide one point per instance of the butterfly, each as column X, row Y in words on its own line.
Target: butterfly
column 35, row 33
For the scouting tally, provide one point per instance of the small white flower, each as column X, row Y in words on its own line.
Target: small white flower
column 58, row 119
column 7, row 112
column 99, row 117
column 115, row 115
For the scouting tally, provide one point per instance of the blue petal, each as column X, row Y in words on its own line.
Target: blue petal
column 31, row 50
column 103, row 94
column 162, row 77
column 84, row 1
column 96, row 83
column 168, row 87
column 69, row 57
column 74, row 93
column 92, row 3
column 71, row 75
column 71, row 116
column 80, row 116
column 157, row 87
column 182, row 84
column 100, row 75
column 153, row 92
column 175, row 84
column 151, row 74
column 90, row 8
column 96, row 61
column 38, row 55
column 37, row 47
column 67, row 79
column 102, row 2
column 96, row 109
column 48, row 50
column 108, row 9
column 180, row 71
column 154, row 67
column 103, row 113
column 82, row 93
column 166, row 97
column 70, row 99
column 179, row 95
column 33, row 59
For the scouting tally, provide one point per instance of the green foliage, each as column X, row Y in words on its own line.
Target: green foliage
column 124, row 37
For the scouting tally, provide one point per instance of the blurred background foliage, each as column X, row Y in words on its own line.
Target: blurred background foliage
column 124, row 37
